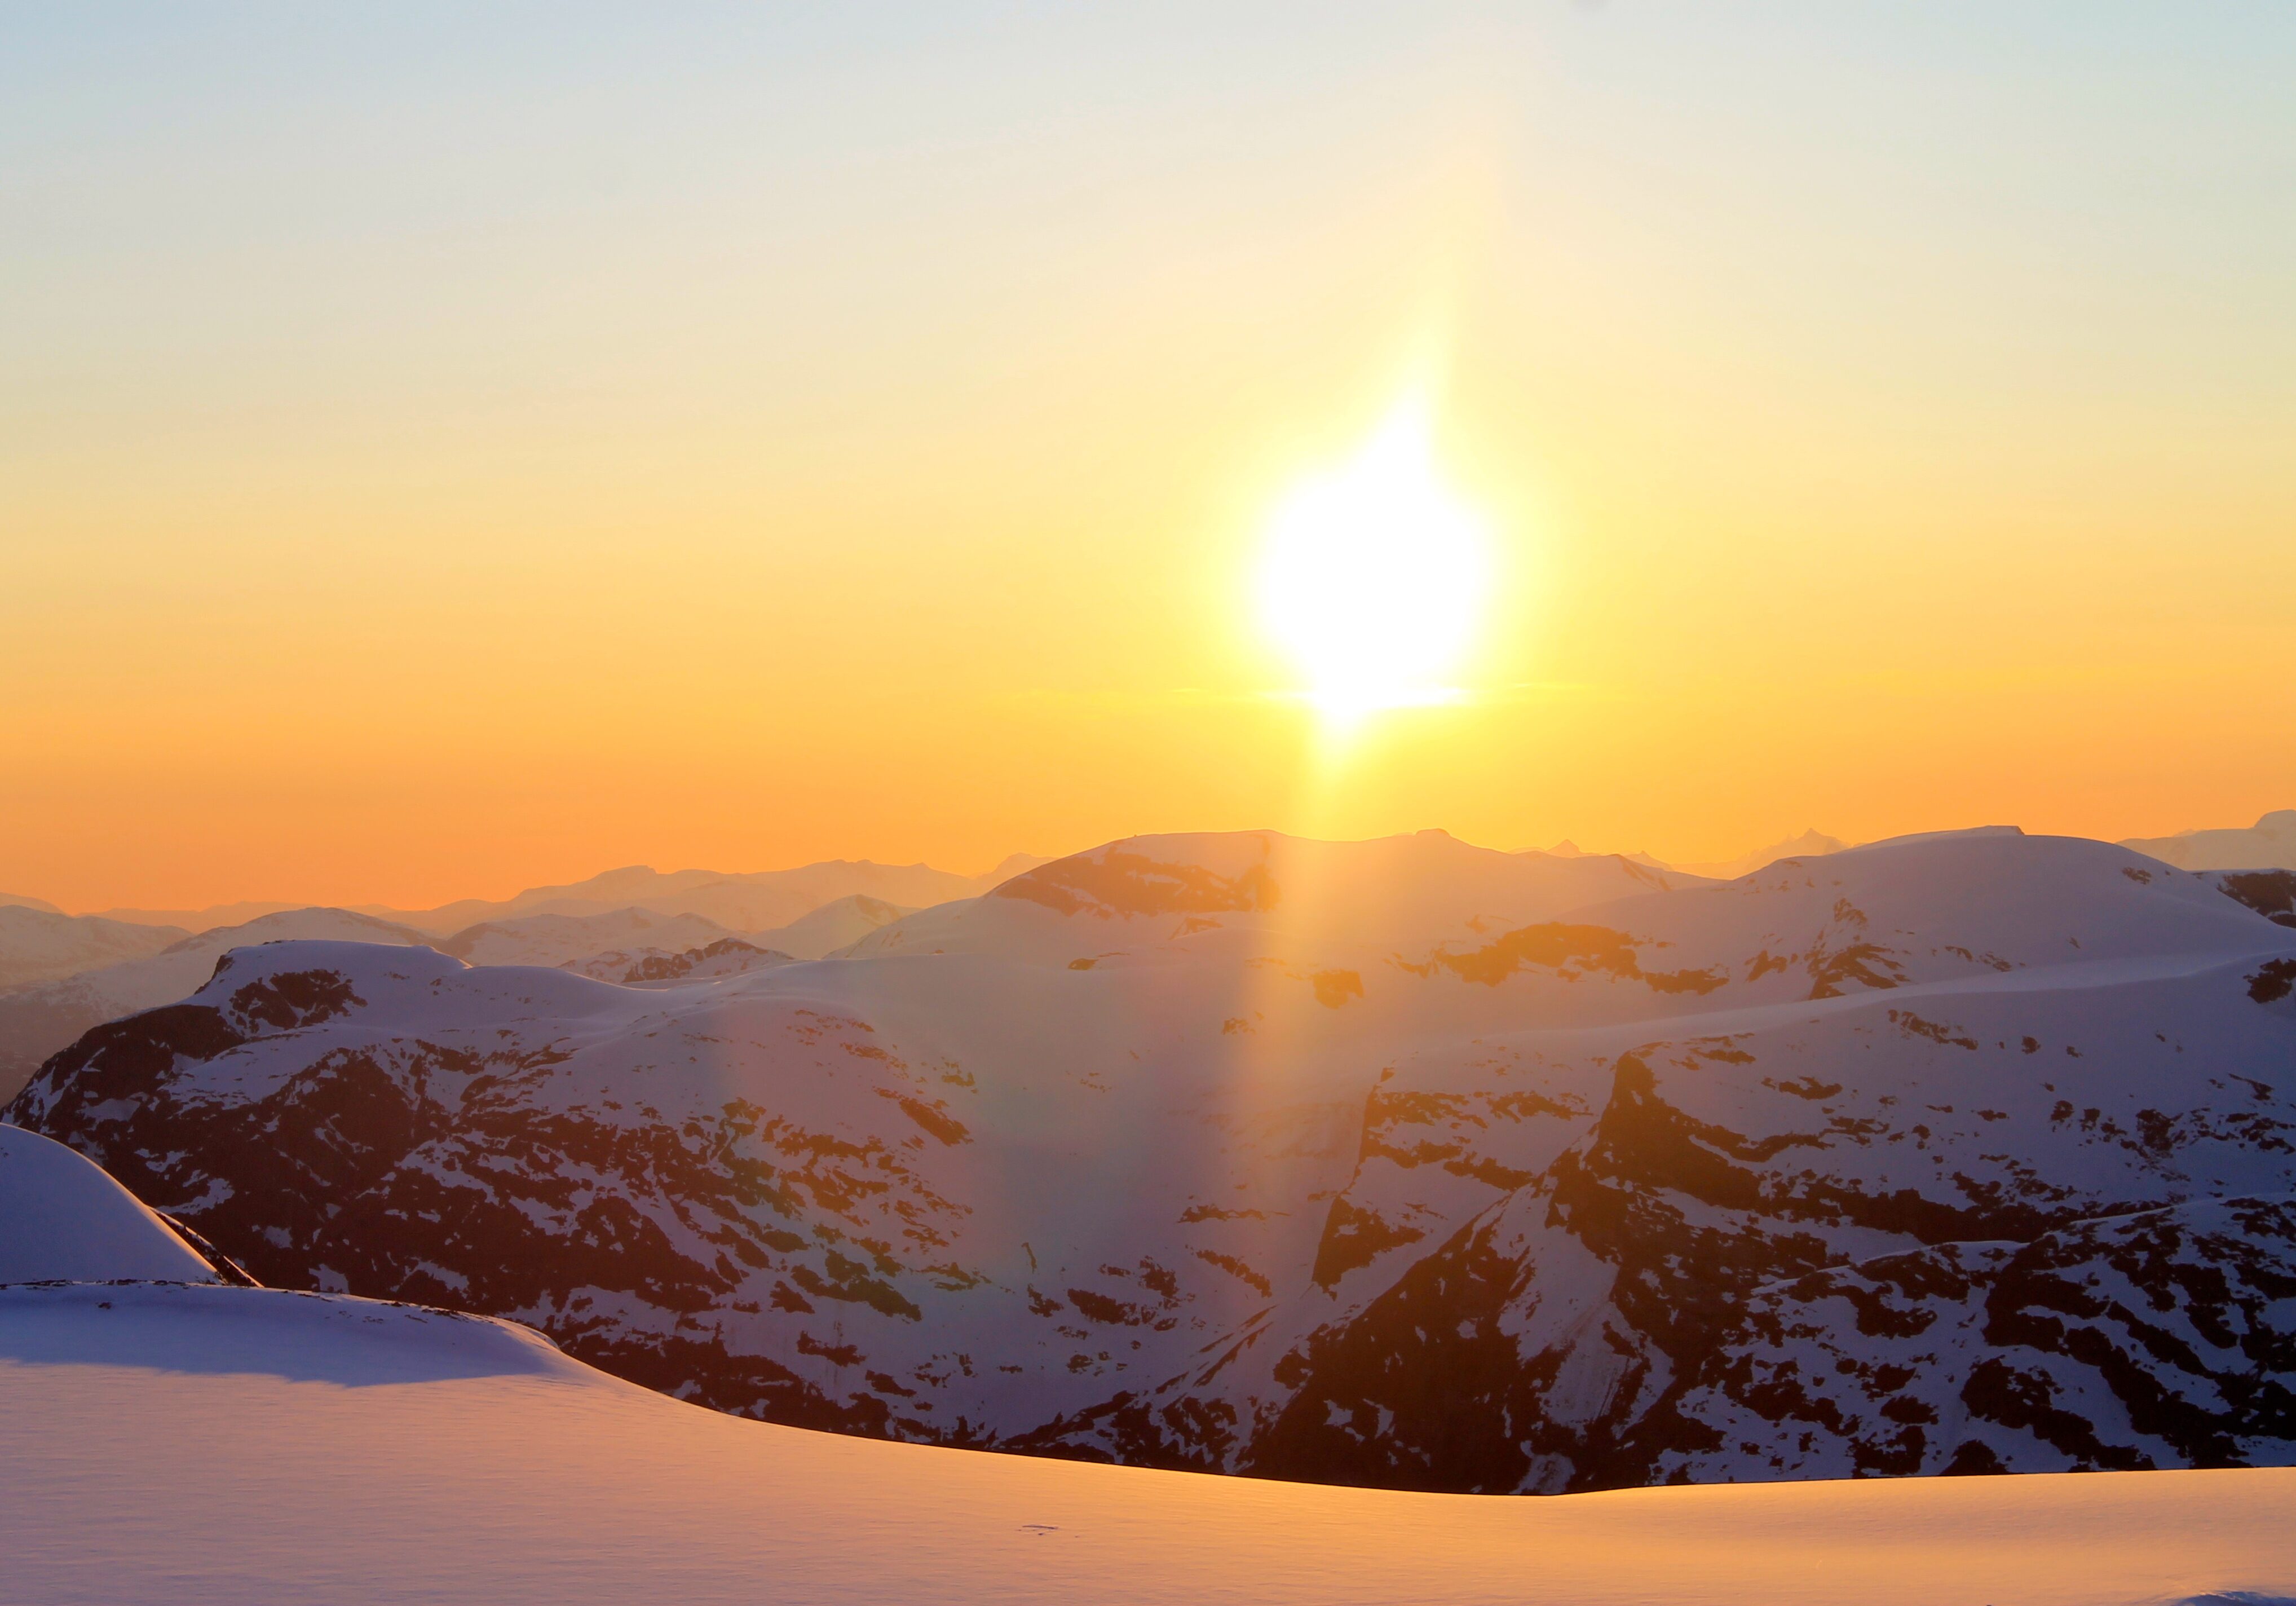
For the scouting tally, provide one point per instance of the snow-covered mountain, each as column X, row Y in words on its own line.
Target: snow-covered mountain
column 1228, row 892
column 61, row 974
column 2269, row 844
column 213, row 917
column 660, row 967
column 39, row 1018
column 833, row 926
column 1567, row 849
column 1011, row 865
column 1812, row 843
column 37, row 945
column 326, row 1430
column 1400, row 1162
column 570, row 939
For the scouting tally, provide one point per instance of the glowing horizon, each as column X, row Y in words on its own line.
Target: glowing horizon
column 445, row 455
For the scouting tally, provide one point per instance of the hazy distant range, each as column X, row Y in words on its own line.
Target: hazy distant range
column 759, row 901
column 763, row 900
column 60, row 974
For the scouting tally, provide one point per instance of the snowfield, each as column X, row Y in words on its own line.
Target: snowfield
column 188, row 1445
column 62, row 1220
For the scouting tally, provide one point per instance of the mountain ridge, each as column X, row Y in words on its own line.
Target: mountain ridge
column 1166, row 1153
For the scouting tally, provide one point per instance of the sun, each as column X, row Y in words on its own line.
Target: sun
column 1374, row 575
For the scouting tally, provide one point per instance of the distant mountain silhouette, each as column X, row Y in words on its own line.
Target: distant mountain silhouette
column 2269, row 844
column 1812, row 843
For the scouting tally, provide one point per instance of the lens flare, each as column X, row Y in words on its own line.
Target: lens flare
column 1374, row 576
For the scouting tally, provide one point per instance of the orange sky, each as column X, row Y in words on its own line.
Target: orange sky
column 427, row 472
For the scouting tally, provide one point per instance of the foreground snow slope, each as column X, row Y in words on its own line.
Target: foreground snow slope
column 187, row 1444
column 1397, row 1162
column 63, row 1217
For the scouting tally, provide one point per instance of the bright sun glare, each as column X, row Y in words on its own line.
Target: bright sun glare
column 1374, row 575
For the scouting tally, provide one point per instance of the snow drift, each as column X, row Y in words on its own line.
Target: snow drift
column 351, row 1452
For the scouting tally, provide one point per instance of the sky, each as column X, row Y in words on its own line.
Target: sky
column 445, row 450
